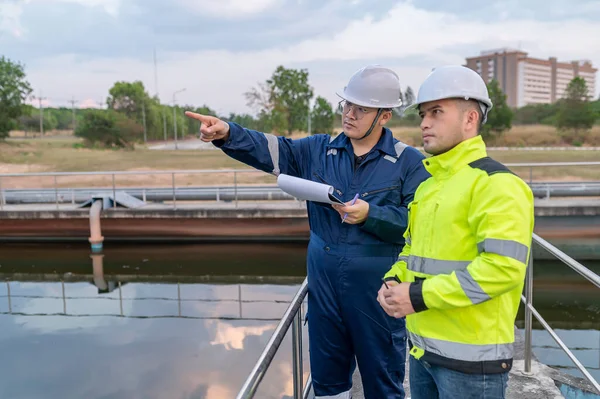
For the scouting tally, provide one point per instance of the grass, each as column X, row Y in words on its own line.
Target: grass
column 59, row 154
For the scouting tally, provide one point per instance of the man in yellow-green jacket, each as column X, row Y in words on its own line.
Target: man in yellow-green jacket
column 460, row 275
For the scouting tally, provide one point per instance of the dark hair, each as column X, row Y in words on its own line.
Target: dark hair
column 467, row 105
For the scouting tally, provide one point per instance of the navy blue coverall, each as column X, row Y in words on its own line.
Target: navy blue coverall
column 346, row 262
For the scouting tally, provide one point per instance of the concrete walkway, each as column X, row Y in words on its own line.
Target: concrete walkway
column 538, row 385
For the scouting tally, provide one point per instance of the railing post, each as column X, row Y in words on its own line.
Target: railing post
column 1, row 195
column 56, row 192
column 114, row 191
column 528, row 312
column 235, row 188
column 240, row 298
column 63, row 297
column 174, row 197
column 120, row 298
column 178, row 299
column 8, row 296
column 297, row 354
column 530, row 175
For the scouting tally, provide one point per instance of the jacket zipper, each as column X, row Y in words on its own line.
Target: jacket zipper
column 363, row 195
column 325, row 182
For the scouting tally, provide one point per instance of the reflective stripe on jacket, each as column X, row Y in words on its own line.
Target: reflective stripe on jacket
column 467, row 248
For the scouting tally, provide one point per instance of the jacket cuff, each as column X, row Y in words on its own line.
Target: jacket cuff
column 371, row 223
column 234, row 129
column 415, row 292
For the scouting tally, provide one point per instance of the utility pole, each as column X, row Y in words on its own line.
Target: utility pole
column 155, row 74
column 175, row 116
column 164, row 123
column 144, row 119
column 73, row 108
column 40, row 98
column 158, row 96
column 309, row 117
column 309, row 120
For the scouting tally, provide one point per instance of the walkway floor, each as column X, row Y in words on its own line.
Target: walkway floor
column 538, row 385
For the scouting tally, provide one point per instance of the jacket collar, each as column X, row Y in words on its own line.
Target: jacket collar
column 455, row 159
column 385, row 143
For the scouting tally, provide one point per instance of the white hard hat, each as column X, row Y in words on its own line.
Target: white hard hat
column 373, row 86
column 454, row 81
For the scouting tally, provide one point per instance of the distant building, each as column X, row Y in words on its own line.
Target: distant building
column 527, row 80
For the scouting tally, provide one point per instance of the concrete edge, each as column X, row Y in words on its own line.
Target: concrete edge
column 571, row 381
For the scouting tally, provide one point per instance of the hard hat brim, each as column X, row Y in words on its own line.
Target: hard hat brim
column 365, row 104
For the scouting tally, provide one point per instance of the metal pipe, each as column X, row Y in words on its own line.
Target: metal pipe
column 566, row 259
column 230, row 193
column 260, row 368
column 96, row 238
column 528, row 315
column 98, row 271
column 297, row 354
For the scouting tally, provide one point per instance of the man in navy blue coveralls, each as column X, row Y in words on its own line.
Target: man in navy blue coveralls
column 346, row 260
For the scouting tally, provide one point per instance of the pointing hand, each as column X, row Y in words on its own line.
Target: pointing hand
column 211, row 128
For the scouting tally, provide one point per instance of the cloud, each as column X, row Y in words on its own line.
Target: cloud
column 109, row 6
column 135, row 358
column 226, row 9
column 217, row 67
column 10, row 23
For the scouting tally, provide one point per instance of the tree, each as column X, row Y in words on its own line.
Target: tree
column 271, row 114
column 409, row 97
column 128, row 98
column 131, row 100
column 14, row 90
column 283, row 100
column 532, row 114
column 322, row 116
column 576, row 114
column 108, row 128
column 500, row 116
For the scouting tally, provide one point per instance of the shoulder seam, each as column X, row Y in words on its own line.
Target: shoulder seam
column 490, row 166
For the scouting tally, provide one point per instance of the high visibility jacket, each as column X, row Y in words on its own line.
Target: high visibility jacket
column 467, row 248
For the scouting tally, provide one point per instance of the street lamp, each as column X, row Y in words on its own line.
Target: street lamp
column 175, row 115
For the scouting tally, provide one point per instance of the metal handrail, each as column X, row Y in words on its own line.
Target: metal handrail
column 530, row 310
column 249, row 170
column 292, row 315
column 132, row 172
column 543, row 164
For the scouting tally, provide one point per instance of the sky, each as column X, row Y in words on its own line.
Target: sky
column 219, row 49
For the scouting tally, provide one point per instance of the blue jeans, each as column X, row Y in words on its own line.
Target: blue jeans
column 429, row 381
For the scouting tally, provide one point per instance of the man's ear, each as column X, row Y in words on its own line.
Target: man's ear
column 385, row 117
column 473, row 118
